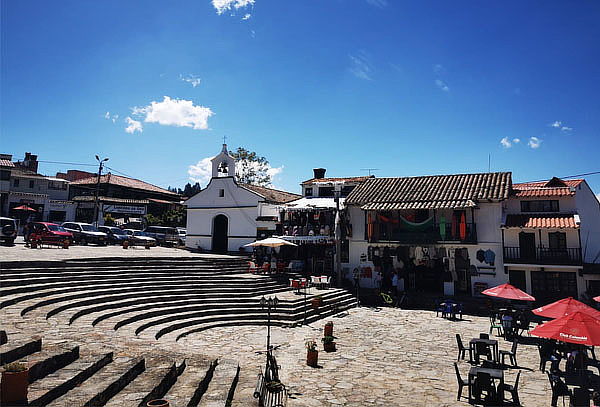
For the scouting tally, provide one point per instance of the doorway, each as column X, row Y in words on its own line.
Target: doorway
column 219, row 237
column 527, row 246
column 517, row 279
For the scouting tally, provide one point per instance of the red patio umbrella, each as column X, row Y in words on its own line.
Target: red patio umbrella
column 578, row 327
column 509, row 292
column 564, row 307
column 24, row 208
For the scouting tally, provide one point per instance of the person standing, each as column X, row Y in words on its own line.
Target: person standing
column 395, row 283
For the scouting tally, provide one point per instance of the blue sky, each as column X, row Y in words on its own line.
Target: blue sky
column 409, row 88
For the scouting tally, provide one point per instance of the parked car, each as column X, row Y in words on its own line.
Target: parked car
column 137, row 237
column 8, row 230
column 46, row 232
column 182, row 233
column 115, row 235
column 165, row 236
column 84, row 233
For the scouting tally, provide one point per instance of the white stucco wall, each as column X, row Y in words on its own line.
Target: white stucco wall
column 588, row 208
column 239, row 205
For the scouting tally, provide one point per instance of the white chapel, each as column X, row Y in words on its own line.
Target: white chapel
column 226, row 215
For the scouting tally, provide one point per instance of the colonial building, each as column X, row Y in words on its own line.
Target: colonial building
column 227, row 215
column 551, row 239
column 440, row 233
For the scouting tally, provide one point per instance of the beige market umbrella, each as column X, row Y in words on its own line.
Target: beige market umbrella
column 271, row 242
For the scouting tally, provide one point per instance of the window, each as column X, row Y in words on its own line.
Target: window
column 326, row 191
column 16, row 182
column 308, row 191
column 58, row 185
column 557, row 240
column 221, row 193
column 31, row 183
column 4, row 175
column 346, row 190
column 539, row 206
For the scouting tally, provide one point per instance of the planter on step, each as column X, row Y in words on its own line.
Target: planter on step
column 312, row 358
column 316, row 302
column 126, row 246
column 66, row 244
column 328, row 331
column 15, row 380
column 329, row 347
column 158, row 403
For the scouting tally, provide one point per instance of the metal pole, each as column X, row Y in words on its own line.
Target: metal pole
column 338, row 240
column 96, row 205
column 269, row 325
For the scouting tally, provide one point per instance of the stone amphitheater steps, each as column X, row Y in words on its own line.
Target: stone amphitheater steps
column 190, row 384
column 103, row 385
column 152, row 384
column 18, row 348
column 222, row 386
column 48, row 360
column 43, row 392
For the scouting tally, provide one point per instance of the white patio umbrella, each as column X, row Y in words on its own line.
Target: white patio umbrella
column 271, row 242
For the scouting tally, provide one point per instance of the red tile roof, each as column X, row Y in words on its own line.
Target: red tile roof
column 541, row 221
column 6, row 163
column 270, row 194
column 545, row 188
column 430, row 192
column 346, row 179
column 124, row 182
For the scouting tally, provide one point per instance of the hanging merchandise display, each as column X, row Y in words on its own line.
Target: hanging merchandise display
column 463, row 226
column 443, row 227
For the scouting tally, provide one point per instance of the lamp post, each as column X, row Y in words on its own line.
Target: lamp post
column 269, row 303
column 338, row 234
column 96, row 206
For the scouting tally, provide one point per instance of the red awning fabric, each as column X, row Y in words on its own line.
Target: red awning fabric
column 577, row 327
column 564, row 307
column 508, row 292
column 24, row 208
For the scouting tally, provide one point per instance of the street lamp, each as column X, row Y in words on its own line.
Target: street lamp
column 96, row 206
column 269, row 303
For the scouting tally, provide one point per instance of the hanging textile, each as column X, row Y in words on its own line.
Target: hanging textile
column 443, row 227
column 369, row 227
column 463, row 226
column 407, row 225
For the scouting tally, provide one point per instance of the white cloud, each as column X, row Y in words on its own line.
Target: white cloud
column 442, row 85
column 439, row 69
column 202, row 171
column 559, row 125
column 175, row 112
column 516, row 140
column 378, row 3
column 360, row 66
column 246, row 16
column 534, row 142
column 566, row 129
column 556, row 124
column 112, row 117
column 191, row 79
column 133, row 126
column 226, row 5
column 506, row 142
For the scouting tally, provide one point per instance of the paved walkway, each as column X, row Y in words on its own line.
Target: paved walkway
column 19, row 252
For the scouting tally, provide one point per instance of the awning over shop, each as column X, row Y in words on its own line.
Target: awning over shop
column 391, row 206
column 543, row 221
column 308, row 203
column 307, row 239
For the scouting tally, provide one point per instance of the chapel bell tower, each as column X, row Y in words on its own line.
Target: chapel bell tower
column 223, row 165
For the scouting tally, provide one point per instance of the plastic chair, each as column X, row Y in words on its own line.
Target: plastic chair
column 252, row 267
column 484, row 336
column 513, row 390
column 483, row 383
column 559, row 389
column 512, row 354
column 495, row 325
column 461, row 348
column 461, row 382
column 447, row 310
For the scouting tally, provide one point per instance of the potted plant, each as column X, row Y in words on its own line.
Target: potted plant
column 158, row 403
column 316, row 302
column 312, row 354
column 15, row 380
column 328, row 343
column 328, row 331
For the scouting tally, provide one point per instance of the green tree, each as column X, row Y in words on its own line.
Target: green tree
column 175, row 217
column 250, row 168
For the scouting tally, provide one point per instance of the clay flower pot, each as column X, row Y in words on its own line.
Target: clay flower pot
column 158, row 403
column 66, row 244
column 328, row 331
column 316, row 302
column 312, row 357
column 126, row 246
column 14, row 388
column 329, row 346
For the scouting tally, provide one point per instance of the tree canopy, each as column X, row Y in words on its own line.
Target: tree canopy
column 251, row 168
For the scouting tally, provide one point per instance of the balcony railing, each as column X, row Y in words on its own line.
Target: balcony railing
column 542, row 255
column 433, row 234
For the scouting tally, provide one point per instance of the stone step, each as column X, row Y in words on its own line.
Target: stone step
column 3, row 337
column 152, row 384
column 19, row 348
column 55, row 385
column 190, row 383
column 221, row 386
column 66, row 268
column 103, row 385
column 48, row 360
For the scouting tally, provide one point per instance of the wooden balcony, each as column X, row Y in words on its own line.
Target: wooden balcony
column 543, row 255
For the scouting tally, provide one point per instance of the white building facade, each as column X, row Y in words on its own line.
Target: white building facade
column 226, row 215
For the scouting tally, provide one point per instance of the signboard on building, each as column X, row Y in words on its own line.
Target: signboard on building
column 127, row 209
